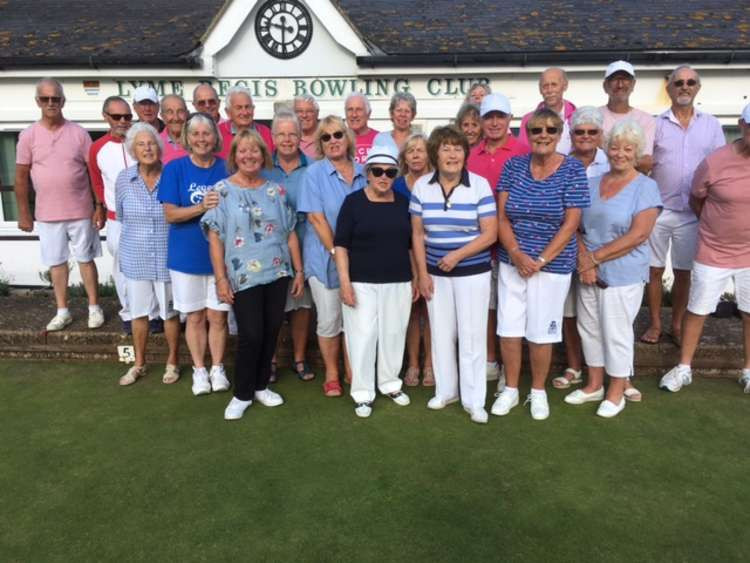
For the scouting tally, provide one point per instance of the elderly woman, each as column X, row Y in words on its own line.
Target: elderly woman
column 327, row 182
column 254, row 252
column 373, row 239
column 586, row 138
column 613, row 262
column 453, row 225
column 539, row 208
column 414, row 163
column 143, row 249
column 470, row 123
column 403, row 110
column 288, row 170
column 477, row 92
column 174, row 113
column 186, row 192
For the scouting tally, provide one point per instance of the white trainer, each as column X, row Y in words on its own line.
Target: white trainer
column 579, row 396
column 506, row 400
column 268, row 398
column 493, row 371
column 59, row 322
column 96, row 318
column 236, row 408
column 363, row 410
column 478, row 415
column 539, row 405
column 218, row 378
column 607, row 409
column 745, row 380
column 676, row 378
column 201, row 384
column 436, row 403
column 400, row 398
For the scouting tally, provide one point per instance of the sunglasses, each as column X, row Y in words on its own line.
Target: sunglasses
column 325, row 137
column 389, row 172
column 589, row 132
column 50, row 99
column 680, row 83
column 538, row 130
column 203, row 103
column 121, row 116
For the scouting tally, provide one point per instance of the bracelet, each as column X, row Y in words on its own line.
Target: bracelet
column 221, row 280
column 299, row 273
column 541, row 259
column 593, row 259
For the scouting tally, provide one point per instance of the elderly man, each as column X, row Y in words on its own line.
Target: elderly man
column 358, row 110
column 146, row 106
column 553, row 83
column 684, row 137
column 52, row 153
column 206, row 100
column 307, row 111
column 487, row 159
column 174, row 113
column 619, row 82
column 107, row 157
column 241, row 112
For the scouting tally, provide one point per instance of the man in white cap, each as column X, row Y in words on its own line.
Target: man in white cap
column 146, row 106
column 719, row 198
column 619, row 82
column 553, row 83
column 487, row 159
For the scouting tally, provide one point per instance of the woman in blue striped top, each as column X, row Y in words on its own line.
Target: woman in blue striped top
column 453, row 225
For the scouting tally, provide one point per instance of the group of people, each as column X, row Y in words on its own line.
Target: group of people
column 442, row 247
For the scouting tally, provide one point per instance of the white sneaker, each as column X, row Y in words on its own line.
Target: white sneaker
column 539, row 405
column 436, row 403
column 236, row 408
column 363, row 410
column 400, row 398
column 218, row 378
column 478, row 415
column 501, row 380
column 96, row 318
column 579, row 396
column 675, row 378
column 268, row 398
column 493, row 371
column 59, row 322
column 201, row 385
column 745, row 380
column 506, row 400
column 607, row 409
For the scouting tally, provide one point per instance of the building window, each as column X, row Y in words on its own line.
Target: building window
column 8, row 142
column 731, row 132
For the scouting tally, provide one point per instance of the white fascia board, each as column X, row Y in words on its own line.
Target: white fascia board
column 110, row 72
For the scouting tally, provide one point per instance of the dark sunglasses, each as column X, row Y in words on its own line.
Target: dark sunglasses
column 538, row 130
column 325, row 137
column 582, row 132
column 681, row 83
column 50, row 99
column 121, row 116
column 389, row 172
column 202, row 103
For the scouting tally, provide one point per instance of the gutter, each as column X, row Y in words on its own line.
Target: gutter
column 96, row 62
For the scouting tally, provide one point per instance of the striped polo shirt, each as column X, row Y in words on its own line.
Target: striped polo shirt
column 452, row 222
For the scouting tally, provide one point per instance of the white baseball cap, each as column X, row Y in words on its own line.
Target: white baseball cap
column 746, row 114
column 382, row 154
column 618, row 66
column 494, row 102
column 145, row 92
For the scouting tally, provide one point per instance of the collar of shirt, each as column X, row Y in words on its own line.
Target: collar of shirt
column 331, row 169
column 669, row 115
column 464, row 177
column 234, row 129
column 510, row 143
column 135, row 175
column 302, row 161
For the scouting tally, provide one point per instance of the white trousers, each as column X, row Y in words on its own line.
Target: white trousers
column 376, row 325
column 458, row 310
column 114, row 229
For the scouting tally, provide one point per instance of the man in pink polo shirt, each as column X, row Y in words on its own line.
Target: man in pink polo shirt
column 357, row 110
column 721, row 199
column 241, row 112
column 174, row 113
column 553, row 83
column 53, row 153
column 307, row 111
column 487, row 159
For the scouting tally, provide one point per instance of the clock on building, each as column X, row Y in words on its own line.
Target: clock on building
column 283, row 28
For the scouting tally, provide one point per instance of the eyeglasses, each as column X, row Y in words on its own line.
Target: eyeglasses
column 538, row 130
column 589, row 132
column 50, row 99
column 206, row 103
column 389, row 172
column 680, row 83
column 121, row 116
column 287, row 135
column 325, row 137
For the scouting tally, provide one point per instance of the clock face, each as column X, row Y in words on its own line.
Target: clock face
column 283, row 28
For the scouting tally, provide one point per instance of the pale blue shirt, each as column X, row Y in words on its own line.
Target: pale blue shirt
column 293, row 184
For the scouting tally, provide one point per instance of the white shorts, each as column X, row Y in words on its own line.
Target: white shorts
column 493, row 285
column 681, row 229
column 533, row 307
column 569, row 309
column 59, row 239
column 328, row 309
column 195, row 292
column 294, row 303
column 708, row 283
column 144, row 294
column 605, row 323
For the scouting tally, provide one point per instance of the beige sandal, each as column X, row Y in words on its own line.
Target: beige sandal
column 171, row 374
column 563, row 381
column 132, row 375
column 428, row 377
column 411, row 378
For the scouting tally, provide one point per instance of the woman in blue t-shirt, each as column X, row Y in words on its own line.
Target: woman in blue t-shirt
column 539, row 208
column 186, row 190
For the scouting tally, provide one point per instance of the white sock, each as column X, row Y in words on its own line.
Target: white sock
column 686, row 366
column 64, row 312
column 539, row 392
column 199, row 370
column 492, row 365
column 511, row 389
column 94, row 308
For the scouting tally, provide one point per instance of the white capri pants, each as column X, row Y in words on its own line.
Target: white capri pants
column 605, row 323
column 195, row 292
column 376, row 325
column 59, row 239
column 114, row 230
column 328, row 309
column 708, row 283
column 458, row 310
column 680, row 228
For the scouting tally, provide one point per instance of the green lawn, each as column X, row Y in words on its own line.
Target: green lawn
column 93, row 472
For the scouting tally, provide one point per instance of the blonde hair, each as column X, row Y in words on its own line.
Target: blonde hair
column 410, row 142
column 253, row 137
column 327, row 121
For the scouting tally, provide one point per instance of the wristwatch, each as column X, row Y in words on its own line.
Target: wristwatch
column 332, row 251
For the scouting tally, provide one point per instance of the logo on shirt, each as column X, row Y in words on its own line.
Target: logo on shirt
column 552, row 328
column 197, row 192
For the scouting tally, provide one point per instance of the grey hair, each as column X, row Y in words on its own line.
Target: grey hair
column 672, row 74
column 587, row 114
column 403, row 97
column 285, row 115
column 200, row 119
column 628, row 131
column 201, row 85
column 110, row 99
column 142, row 127
column 234, row 90
column 483, row 85
column 54, row 82
column 172, row 97
column 558, row 69
column 361, row 96
column 308, row 99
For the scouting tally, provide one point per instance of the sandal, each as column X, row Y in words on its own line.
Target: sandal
column 274, row 375
column 651, row 336
column 411, row 377
column 633, row 395
column 132, row 375
column 563, row 381
column 332, row 388
column 171, row 374
column 428, row 377
column 303, row 371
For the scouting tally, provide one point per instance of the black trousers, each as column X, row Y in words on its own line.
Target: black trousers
column 260, row 312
